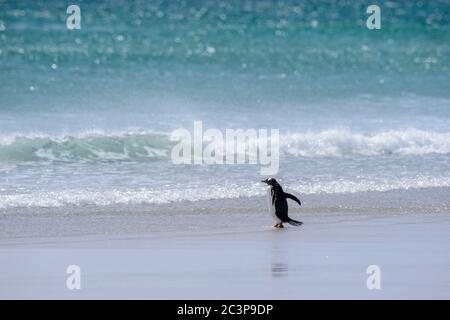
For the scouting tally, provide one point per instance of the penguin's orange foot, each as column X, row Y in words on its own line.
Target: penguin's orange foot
column 278, row 225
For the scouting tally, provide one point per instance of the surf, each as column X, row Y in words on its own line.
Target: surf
column 157, row 146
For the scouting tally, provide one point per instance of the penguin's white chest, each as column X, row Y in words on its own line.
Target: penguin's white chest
column 271, row 206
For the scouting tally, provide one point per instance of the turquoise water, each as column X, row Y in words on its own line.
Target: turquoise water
column 86, row 115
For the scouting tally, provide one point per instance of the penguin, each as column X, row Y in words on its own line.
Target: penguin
column 278, row 203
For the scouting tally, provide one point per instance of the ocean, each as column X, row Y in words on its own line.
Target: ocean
column 86, row 116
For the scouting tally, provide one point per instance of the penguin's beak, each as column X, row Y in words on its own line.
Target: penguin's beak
column 265, row 181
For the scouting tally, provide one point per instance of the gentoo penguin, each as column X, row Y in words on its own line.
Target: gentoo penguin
column 278, row 203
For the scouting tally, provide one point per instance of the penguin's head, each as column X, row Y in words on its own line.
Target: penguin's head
column 271, row 182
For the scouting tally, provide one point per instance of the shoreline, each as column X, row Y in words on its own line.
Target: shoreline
column 215, row 215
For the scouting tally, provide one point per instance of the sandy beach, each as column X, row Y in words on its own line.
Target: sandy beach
column 136, row 136
column 326, row 258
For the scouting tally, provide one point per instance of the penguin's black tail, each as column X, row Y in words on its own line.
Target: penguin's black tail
column 295, row 222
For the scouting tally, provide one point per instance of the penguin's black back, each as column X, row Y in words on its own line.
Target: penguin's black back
column 280, row 203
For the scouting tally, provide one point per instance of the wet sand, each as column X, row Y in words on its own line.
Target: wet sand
column 325, row 258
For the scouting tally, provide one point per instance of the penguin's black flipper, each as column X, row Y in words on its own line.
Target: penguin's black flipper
column 291, row 196
column 295, row 222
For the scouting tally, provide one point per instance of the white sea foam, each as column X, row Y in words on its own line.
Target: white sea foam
column 75, row 198
column 99, row 145
column 345, row 142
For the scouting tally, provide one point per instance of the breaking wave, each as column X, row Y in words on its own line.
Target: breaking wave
column 345, row 142
column 99, row 146
column 90, row 146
